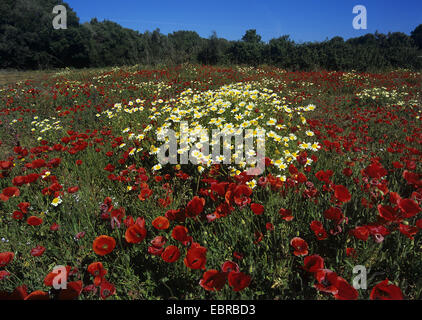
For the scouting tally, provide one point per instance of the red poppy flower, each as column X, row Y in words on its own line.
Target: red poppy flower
column 135, row 234
column 34, row 221
column 223, row 210
column 72, row 291
column 229, row 266
column 334, row 214
column 385, row 291
column 301, row 178
column 9, row 192
column 37, row 295
column 129, row 221
column 258, row 237
column 219, row 188
column 324, row 176
column 300, row 246
column 257, row 208
column 156, row 251
column 196, row 258
column 145, row 194
column 241, row 195
column 237, row 255
column 32, row 177
column 164, row 202
column 37, row 163
column 90, row 288
column 54, row 227
column 195, row 206
column 17, row 215
column 19, row 181
column 417, row 196
column 397, row 165
column 49, row 278
column 118, row 215
column 327, row 281
column 394, row 197
column 161, row 223
column 286, row 214
column 180, row 233
column 97, row 270
column 157, row 245
column 107, row 205
column 313, row 263
column 412, row 178
column 239, row 280
column 6, row 165
column 20, row 293
column 23, row 206
column 6, row 258
column 159, row 241
column 351, row 252
column 408, row 231
column 109, row 168
column 375, row 171
column 37, row 251
column 389, row 213
column 409, row 207
column 318, row 229
column 410, row 164
column 54, row 162
column 106, row 289
column 344, row 290
column 342, row 194
column 176, row 215
column 55, row 187
column 103, row 245
column 73, row 189
column 213, row 280
column 4, row 274
column 171, row 254
column 293, row 170
column 80, row 235
column 361, row 233
column 347, row 172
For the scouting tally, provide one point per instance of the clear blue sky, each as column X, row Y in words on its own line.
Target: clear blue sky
column 303, row 20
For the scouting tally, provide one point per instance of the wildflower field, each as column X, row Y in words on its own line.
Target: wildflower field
column 81, row 185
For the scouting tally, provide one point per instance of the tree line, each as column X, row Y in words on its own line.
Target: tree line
column 28, row 41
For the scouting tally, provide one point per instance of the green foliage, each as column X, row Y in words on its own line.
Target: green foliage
column 28, row 41
column 417, row 36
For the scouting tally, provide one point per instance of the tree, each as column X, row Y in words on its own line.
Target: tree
column 417, row 36
column 250, row 36
column 186, row 45
column 212, row 51
column 28, row 41
column 281, row 51
column 249, row 50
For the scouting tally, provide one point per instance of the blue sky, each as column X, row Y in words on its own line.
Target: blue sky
column 303, row 20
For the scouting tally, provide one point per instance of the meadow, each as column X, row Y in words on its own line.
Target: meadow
column 81, row 186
